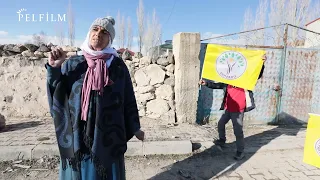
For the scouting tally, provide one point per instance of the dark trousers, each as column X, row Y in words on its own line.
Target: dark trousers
column 237, row 122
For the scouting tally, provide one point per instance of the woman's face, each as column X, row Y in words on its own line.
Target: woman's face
column 99, row 38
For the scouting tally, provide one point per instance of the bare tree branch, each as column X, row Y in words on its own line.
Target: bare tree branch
column 276, row 17
column 60, row 34
column 39, row 39
column 119, row 38
column 297, row 15
column 71, row 33
column 130, row 35
column 152, row 35
column 247, row 23
column 314, row 11
column 140, row 18
column 123, row 32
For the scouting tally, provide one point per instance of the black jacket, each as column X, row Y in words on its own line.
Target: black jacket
column 250, row 105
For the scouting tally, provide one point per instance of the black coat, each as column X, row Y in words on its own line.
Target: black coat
column 113, row 117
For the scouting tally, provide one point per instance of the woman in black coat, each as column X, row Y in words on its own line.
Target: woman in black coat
column 93, row 105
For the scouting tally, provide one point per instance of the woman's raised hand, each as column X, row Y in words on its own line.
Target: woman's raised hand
column 56, row 57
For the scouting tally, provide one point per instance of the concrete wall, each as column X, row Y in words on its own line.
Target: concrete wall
column 186, row 49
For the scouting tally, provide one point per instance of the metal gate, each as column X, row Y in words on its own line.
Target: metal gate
column 288, row 90
column 265, row 96
column 301, row 85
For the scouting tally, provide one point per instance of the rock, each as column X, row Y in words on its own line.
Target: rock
column 128, row 63
column 19, row 57
column 19, row 48
column 31, row 47
column 14, row 48
column 169, row 117
column 169, row 74
column 163, row 61
column 145, row 61
column 142, row 112
column 2, row 122
column 163, row 68
column 69, row 54
column 172, row 105
column 170, row 68
column 169, row 81
column 144, row 89
column 154, row 60
column 46, row 54
column 143, row 98
column 1, row 47
column 141, row 78
column 43, row 48
column 39, row 54
column 126, row 55
column 157, row 85
column 130, row 67
column 133, row 80
column 138, row 55
column 55, row 46
column 6, row 61
column 8, row 53
column 140, row 106
column 165, row 92
column 8, row 47
column 136, row 60
column 8, row 99
column 153, row 116
column 157, row 106
column 69, row 48
column 155, row 73
column 27, row 53
column 34, row 58
column 170, row 58
column 49, row 45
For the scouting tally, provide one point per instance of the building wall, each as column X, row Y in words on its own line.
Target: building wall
column 312, row 39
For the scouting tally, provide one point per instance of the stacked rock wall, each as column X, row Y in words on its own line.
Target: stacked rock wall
column 154, row 87
column 23, row 82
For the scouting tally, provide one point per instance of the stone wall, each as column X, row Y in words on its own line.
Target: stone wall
column 23, row 78
column 153, row 82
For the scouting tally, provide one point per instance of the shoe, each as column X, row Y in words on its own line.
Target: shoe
column 220, row 142
column 239, row 156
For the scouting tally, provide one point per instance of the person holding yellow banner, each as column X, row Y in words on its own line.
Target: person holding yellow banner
column 236, row 101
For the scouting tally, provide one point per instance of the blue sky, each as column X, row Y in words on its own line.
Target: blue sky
column 214, row 16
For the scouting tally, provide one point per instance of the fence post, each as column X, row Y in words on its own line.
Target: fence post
column 186, row 49
column 282, row 72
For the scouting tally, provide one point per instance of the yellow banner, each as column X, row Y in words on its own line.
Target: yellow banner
column 235, row 66
column 312, row 141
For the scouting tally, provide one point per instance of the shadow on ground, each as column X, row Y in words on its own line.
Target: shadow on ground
column 214, row 163
column 19, row 126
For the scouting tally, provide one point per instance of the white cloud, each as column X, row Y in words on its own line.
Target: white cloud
column 3, row 33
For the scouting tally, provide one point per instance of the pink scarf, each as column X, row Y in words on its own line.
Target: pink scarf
column 96, row 78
